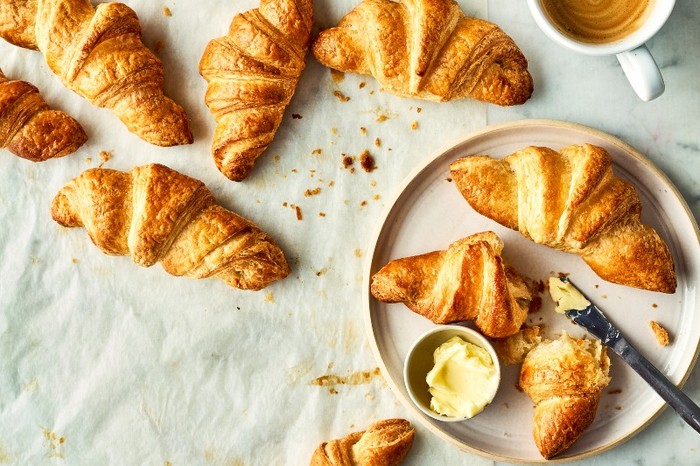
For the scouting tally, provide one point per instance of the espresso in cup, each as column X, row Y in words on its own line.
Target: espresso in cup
column 597, row 21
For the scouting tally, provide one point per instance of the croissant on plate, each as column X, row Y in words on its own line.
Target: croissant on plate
column 98, row 53
column 467, row 281
column 572, row 201
column 155, row 214
column 564, row 378
column 384, row 443
column 427, row 49
column 30, row 129
column 252, row 73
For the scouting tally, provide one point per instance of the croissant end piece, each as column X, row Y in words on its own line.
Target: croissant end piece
column 384, row 443
column 155, row 214
column 427, row 49
column 467, row 281
column 252, row 73
column 98, row 53
column 564, row 378
column 30, row 129
column 572, row 201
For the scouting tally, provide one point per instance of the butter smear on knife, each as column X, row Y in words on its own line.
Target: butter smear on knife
column 566, row 296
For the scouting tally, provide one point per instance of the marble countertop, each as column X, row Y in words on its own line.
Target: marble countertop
column 105, row 363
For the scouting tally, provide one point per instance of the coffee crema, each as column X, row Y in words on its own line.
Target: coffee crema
column 597, row 21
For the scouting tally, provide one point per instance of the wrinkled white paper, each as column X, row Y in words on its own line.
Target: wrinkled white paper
column 104, row 362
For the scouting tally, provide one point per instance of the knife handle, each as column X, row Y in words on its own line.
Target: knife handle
column 684, row 406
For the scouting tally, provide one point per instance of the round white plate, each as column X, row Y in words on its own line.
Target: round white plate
column 429, row 213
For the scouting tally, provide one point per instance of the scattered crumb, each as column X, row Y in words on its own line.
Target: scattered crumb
column 535, row 305
column 654, row 305
column 296, row 116
column 158, row 46
column 338, row 76
column 381, row 118
column 332, row 391
column 322, row 272
column 660, row 333
column 414, row 125
column 341, row 97
column 284, row 204
column 618, row 408
column 367, row 161
column 294, row 170
column 277, row 158
column 331, row 184
column 74, row 260
column 166, row 11
column 362, row 84
column 54, row 442
column 615, row 391
column 104, row 157
column 378, row 142
column 363, row 130
column 363, row 203
column 419, row 109
column 348, row 161
column 373, row 183
column 376, row 197
column 334, row 130
column 597, row 286
column 298, row 212
column 321, row 214
column 312, row 192
column 88, row 159
column 448, row 179
column 358, row 252
column 604, row 296
column 269, row 298
column 316, row 152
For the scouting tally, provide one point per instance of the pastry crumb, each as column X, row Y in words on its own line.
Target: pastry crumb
column 376, row 197
column 298, row 212
column 654, row 305
column 338, row 76
column 615, row 391
column 269, row 298
column 276, row 158
column 312, row 192
column 367, row 161
column 660, row 333
column 158, row 46
column 331, row 183
column 348, row 161
column 341, row 97
column 167, row 12
column 363, row 203
column 362, row 85
column 448, row 179
column 321, row 214
column 378, row 142
column 358, row 252
column 316, row 151
column 363, row 130
column 88, row 159
column 284, row 204
column 381, row 118
column 334, row 130
column 414, row 125
column 104, row 157
column 296, row 116
column 419, row 109
column 373, row 183
column 74, row 260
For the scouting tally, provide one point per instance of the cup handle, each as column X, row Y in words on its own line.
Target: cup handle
column 642, row 72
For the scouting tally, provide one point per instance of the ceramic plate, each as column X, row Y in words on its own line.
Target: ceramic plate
column 429, row 213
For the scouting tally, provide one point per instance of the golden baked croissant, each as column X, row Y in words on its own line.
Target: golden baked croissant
column 564, row 378
column 30, row 129
column 427, row 49
column 384, row 443
column 572, row 201
column 98, row 53
column 252, row 73
column 467, row 281
column 156, row 214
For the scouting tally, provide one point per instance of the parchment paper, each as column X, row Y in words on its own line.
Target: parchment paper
column 104, row 362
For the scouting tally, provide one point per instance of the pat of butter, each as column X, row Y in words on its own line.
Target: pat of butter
column 566, row 296
column 463, row 380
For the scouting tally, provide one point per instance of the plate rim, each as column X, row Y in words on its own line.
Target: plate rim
column 366, row 295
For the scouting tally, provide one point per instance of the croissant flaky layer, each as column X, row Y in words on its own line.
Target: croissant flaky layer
column 572, row 201
column 384, row 443
column 252, row 73
column 155, row 214
column 427, row 49
column 98, row 53
column 467, row 281
column 30, row 129
column 564, row 378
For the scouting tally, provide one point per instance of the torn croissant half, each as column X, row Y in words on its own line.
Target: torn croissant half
column 572, row 201
column 155, row 214
column 467, row 281
column 32, row 130
column 427, row 49
column 564, row 378
column 384, row 443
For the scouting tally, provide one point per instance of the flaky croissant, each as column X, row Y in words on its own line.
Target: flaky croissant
column 98, row 53
column 572, row 201
column 427, row 49
column 30, row 129
column 253, row 72
column 467, row 281
column 384, row 443
column 156, row 214
column 564, row 378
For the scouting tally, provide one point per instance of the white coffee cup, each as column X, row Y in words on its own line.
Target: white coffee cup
column 634, row 57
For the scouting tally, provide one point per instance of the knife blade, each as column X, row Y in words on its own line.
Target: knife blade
column 593, row 320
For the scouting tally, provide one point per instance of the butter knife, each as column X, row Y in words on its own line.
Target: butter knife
column 593, row 320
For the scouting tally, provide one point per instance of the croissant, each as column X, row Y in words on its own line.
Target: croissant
column 572, row 201
column 467, row 281
column 252, row 74
column 98, row 53
column 427, row 49
column 384, row 443
column 154, row 213
column 30, row 129
column 564, row 378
